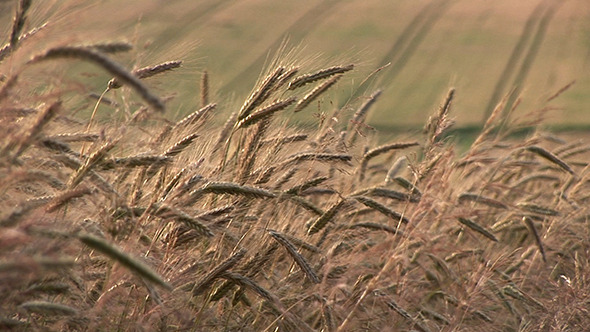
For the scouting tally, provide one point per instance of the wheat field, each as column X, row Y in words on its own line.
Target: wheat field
column 116, row 214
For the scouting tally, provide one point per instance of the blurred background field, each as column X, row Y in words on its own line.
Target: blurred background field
column 484, row 49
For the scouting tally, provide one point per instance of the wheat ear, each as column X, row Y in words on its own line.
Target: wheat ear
column 115, row 69
column 124, row 259
column 297, row 257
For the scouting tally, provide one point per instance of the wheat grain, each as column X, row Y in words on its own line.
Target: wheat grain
column 23, row 209
column 235, row 189
column 109, row 65
column 124, row 259
column 409, row 186
column 195, row 116
column 310, row 156
column 300, row 260
column 285, row 139
column 67, row 196
column 316, row 92
column 471, row 197
column 217, row 272
column 322, row 220
column 92, row 160
column 476, row 227
column 75, row 137
column 377, row 227
column 111, row 47
column 296, row 190
column 537, row 209
column 265, row 112
column 258, row 96
column 393, row 194
column 134, row 161
column 204, row 88
column 531, row 226
column 551, row 157
column 166, row 211
column 179, row 146
column 145, row 72
column 386, row 148
column 373, row 204
column 324, row 73
column 48, row 308
column 360, row 115
column 41, row 121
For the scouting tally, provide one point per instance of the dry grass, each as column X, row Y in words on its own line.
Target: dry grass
column 252, row 226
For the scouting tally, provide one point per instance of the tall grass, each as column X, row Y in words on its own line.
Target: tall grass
column 151, row 223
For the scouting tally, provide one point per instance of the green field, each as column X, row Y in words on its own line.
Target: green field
column 430, row 45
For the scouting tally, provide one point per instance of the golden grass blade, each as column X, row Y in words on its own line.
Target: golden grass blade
column 476, row 227
column 124, row 259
